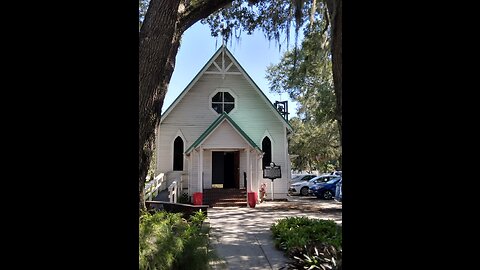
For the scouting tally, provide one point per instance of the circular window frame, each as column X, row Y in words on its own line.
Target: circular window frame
column 230, row 91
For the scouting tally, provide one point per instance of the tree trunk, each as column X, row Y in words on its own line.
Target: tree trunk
column 335, row 11
column 160, row 35
column 156, row 36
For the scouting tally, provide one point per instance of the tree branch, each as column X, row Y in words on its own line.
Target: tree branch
column 327, row 21
column 329, row 6
column 200, row 10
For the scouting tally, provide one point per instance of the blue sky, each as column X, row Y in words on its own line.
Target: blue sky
column 253, row 52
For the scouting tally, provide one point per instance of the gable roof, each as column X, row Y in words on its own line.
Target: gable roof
column 223, row 117
column 244, row 73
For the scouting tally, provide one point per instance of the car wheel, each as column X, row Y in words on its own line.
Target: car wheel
column 304, row 191
column 327, row 195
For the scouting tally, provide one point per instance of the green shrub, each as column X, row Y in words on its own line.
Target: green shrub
column 166, row 241
column 311, row 257
column 160, row 239
column 294, row 232
column 198, row 218
column 311, row 243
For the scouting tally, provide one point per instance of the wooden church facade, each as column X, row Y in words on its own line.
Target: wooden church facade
column 221, row 131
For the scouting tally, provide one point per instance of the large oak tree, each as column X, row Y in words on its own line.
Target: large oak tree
column 164, row 24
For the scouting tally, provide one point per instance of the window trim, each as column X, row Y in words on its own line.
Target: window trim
column 235, row 102
column 172, row 142
column 271, row 149
column 182, row 151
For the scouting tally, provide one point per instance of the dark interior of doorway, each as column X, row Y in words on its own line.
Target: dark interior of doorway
column 225, row 169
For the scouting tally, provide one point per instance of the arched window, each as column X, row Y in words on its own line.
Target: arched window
column 178, row 154
column 267, row 149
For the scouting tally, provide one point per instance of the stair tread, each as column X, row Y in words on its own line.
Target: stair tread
column 231, row 197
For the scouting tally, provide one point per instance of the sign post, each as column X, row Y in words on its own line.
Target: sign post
column 273, row 172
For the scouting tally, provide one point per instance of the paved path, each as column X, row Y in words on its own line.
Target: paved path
column 242, row 236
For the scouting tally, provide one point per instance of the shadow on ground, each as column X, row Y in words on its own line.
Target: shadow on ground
column 242, row 236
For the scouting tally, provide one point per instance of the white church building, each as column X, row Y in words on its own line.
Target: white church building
column 221, row 131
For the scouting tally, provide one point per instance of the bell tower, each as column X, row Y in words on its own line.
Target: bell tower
column 282, row 108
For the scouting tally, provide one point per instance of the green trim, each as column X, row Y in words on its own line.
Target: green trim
column 205, row 133
column 214, row 125
column 239, row 129
column 259, row 90
column 191, row 82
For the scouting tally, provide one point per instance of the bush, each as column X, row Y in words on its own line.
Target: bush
column 160, row 239
column 310, row 257
column 293, row 232
column 309, row 242
column 167, row 241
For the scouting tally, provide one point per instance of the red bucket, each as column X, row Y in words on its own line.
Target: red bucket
column 197, row 198
column 252, row 199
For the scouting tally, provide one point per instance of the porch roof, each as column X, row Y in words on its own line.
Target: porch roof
column 223, row 117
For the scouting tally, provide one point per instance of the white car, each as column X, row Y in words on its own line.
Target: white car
column 302, row 187
column 301, row 177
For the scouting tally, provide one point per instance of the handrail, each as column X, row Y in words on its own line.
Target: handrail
column 152, row 186
column 173, row 192
column 159, row 183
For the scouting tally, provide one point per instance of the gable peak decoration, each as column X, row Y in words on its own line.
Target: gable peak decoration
column 223, row 65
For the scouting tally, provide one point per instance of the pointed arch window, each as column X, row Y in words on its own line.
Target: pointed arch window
column 178, row 154
column 267, row 150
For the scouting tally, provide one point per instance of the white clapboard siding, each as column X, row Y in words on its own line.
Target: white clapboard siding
column 192, row 115
column 207, row 169
column 243, row 166
column 225, row 136
column 194, row 173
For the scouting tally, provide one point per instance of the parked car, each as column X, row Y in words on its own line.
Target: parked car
column 302, row 177
column 336, row 173
column 338, row 191
column 302, row 187
column 325, row 190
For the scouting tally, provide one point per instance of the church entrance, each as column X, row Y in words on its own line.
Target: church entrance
column 225, row 169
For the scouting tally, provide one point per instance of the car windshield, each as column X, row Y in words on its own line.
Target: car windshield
column 333, row 181
column 315, row 180
column 321, row 179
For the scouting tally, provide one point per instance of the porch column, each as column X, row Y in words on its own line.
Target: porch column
column 249, row 184
column 255, row 171
column 200, row 168
column 250, row 171
column 190, row 165
column 259, row 170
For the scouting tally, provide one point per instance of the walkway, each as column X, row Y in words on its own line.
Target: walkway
column 242, row 236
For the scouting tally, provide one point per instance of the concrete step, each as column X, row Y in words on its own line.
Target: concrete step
column 229, row 204
column 225, row 197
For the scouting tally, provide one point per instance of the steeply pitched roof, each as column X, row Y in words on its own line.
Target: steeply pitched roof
column 223, row 117
column 249, row 79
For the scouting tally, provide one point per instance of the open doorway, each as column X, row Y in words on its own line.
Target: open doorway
column 225, row 169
